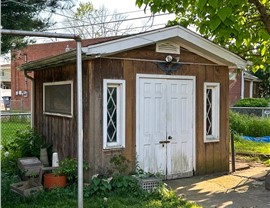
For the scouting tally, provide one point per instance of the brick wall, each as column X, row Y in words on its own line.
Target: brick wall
column 235, row 88
column 20, row 86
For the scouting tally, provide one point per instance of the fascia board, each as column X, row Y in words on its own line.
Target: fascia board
column 129, row 43
column 191, row 41
column 207, row 46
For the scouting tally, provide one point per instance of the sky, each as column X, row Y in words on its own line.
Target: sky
column 121, row 6
column 124, row 6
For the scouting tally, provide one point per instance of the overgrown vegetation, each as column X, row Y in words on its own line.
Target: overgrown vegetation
column 67, row 197
column 25, row 143
column 115, row 190
column 252, row 102
column 249, row 125
column 241, row 124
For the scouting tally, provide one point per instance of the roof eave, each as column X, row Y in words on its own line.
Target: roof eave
column 64, row 58
column 190, row 40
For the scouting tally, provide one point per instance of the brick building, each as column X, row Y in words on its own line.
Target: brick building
column 20, row 85
column 242, row 85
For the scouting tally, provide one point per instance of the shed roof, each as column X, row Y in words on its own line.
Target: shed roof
column 180, row 35
column 249, row 77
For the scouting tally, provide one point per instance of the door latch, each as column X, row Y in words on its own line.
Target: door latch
column 164, row 142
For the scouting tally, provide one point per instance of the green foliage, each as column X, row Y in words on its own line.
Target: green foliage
column 9, row 129
column 120, row 164
column 6, row 180
column 238, row 25
column 58, row 197
column 121, row 183
column 264, row 86
column 100, row 185
column 249, row 125
column 69, row 168
column 27, row 15
column 27, row 143
column 267, row 162
column 252, row 102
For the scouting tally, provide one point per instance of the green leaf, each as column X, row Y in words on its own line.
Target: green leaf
column 224, row 12
column 214, row 23
column 201, row 4
column 263, row 51
column 185, row 3
column 213, row 3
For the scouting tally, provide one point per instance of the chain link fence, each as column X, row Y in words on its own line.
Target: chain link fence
column 11, row 123
column 15, row 106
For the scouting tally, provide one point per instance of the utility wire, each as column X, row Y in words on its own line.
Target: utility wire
column 99, row 23
column 128, row 29
column 71, row 17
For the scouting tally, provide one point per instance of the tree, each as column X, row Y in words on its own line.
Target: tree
column 242, row 26
column 264, row 86
column 93, row 23
column 27, row 15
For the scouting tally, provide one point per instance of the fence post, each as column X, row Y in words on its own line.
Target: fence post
column 21, row 106
column 10, row 106
column 232, row 149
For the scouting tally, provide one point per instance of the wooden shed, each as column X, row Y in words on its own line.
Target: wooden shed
column 160, row 98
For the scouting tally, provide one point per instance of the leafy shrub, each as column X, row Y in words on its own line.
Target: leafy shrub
column 249, row 125
column 27, row 143
column 252, row 102
column 120, row 164
column 6, row 193
column 100, row 185
column 69, row 168
column 121, row 184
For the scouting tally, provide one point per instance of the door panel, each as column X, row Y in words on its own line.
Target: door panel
column 166, row 109
column 152, row 125
column 180, row 128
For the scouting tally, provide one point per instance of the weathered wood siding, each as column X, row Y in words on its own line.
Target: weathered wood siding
column 210, row 157
column 59, row 131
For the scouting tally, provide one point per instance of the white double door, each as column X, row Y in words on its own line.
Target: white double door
column 165, row 136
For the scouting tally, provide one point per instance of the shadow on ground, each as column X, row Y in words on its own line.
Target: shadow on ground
column 242, row 189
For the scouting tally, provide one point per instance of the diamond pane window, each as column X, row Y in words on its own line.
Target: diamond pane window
column 113, row 114
column 211, row 111
column 208, row 112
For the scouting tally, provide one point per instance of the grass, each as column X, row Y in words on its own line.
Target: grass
column 251, row 147
column 255, row 149
column 9, row 129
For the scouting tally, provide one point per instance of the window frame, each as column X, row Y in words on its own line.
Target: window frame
column 70, row 82
column 215, row 136
column 120, row 110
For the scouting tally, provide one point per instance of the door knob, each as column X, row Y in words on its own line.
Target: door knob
column 169, row 137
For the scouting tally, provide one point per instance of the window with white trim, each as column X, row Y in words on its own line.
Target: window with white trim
column 114, row 113
column 58, row 98
column 211, row 111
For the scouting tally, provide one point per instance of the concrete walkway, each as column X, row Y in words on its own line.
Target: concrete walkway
column 243, row 189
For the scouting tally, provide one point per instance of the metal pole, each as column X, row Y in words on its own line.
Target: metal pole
column 79, row 95
column 39, row 34
column 80, row 124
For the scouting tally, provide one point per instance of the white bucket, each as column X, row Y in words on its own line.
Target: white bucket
column 55, row 160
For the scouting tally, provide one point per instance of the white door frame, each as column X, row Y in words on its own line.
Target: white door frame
column 177, row 77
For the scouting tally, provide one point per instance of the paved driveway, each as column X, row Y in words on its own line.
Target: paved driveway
column 242, row 189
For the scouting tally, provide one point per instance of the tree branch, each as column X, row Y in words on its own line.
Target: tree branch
column 264, row 16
